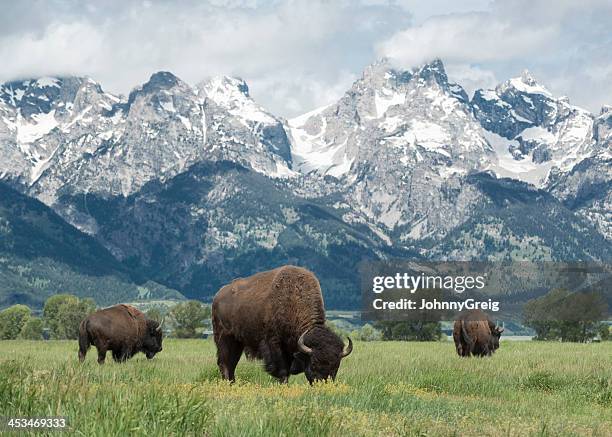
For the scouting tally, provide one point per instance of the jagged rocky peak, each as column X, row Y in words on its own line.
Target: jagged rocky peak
column 162, row 83
column 226, row 86
column 602, row 128
column 231, row 95
column 384, row 86
column 391, row 121
column 386, row 74
column 433, row 71
column 33, row 97
column 525, row 83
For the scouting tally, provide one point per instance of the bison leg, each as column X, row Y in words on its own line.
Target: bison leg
column 101, row 354
column 229, row 351
column 467, row 348
column 276, row 362
column 83, row 346
column 458, row 343
column 119, row 356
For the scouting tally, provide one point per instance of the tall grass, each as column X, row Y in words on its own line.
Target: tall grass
column 383, row 388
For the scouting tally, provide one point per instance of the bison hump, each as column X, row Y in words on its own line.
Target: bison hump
column 132, row 311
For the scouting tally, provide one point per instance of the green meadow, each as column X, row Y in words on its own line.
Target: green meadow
column 383, row 389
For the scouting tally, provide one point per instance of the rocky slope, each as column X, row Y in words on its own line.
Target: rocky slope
column 41, row 255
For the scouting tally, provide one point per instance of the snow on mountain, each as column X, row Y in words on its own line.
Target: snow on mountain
column 241, row 130
column 587, row 187
column 543, row 133
column 395, row 152
column 397, row 140
column 406, row 113
column 66, row 135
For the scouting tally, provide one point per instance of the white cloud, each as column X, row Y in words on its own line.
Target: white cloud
column 299, row 54
column 301, row 45
column 566, row 45
column 471, row 77
column 477, row 37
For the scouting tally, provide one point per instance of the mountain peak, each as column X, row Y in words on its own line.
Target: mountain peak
column 527, row 84
column 162, row 80
column 527, row 78
column 605, row 109
column 224, row 89
column 433, row 70
column 384, row 72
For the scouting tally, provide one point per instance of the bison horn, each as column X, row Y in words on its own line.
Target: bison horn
column 301, row 346
column 347, row 351
column 159, row 327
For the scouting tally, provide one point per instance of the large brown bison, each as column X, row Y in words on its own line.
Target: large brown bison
column 476, row 334
column 276, row 316
column 121, row 329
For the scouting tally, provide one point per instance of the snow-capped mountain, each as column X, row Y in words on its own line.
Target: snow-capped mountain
column 401, row 141
column 68, row 134
column 533, row 132
column 192, row 184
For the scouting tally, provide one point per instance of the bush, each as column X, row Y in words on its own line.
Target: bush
column 336, row 328
column 562, row 315
column 188, row 317
column 367, row 333
column 32, row 329
column 63, row 314
column 12, row 320
column 154, row 314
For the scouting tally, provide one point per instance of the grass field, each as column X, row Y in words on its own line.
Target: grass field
column 383, row 388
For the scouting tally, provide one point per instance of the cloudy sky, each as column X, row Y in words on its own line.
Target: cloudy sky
column 298, row 55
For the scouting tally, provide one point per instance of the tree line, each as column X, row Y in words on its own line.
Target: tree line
column 63, row 313
column 557, row 316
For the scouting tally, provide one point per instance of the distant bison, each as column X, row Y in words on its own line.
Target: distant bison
column 475, row 334
column 276, row 316
column 123, row 330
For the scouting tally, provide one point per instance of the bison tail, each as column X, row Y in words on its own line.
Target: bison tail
column 84, row 340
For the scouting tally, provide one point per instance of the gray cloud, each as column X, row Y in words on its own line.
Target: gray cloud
column 300, row 54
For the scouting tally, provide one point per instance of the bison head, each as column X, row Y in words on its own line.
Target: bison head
column 495, row 335
column 152, row 341
column 320, row 352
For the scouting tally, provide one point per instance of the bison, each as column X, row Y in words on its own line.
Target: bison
column 123, row 330
column 475, row 334
column 276, row 316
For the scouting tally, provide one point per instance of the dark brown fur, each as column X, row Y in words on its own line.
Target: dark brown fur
column 265, row 314
column 121, row 329
column 475, row 333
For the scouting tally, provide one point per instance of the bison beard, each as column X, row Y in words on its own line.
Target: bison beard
column 474, row 333
column 121, row 329
column 276, row 316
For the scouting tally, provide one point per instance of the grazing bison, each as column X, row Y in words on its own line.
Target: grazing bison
column 475, row 334
column 123, row 330
column 276, row 316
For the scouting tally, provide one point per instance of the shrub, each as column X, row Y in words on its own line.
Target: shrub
column 367, row 333
column 63, row 314
column 32, row 329
column 12, row 320
column 188, row 317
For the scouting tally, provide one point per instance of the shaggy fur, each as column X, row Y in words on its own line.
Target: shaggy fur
column 265, row 314
column 475, row 333
column 121, row 329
